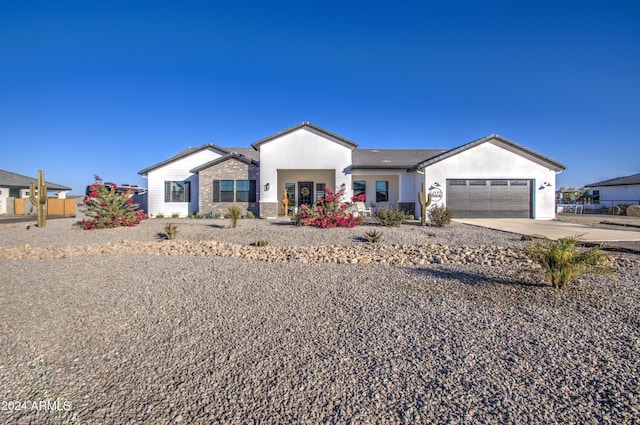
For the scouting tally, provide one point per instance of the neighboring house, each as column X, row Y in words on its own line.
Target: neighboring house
column 489, row 177
column 14, row 185
column 617, row 191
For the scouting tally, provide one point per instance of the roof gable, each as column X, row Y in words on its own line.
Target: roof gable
column 492, row 138
column 310, row 127
column 618, row 181
column 9, row 179
column 183, row 154
column 233, row 155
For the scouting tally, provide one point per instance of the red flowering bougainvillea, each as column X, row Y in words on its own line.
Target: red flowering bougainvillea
column 328, row 212
column 359, row 198
column 105, row 208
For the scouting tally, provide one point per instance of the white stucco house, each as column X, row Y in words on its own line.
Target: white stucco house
column 617, row 191
column 488, row 177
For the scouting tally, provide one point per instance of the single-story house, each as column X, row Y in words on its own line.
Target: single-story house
column 14, row 185
column 489, row 177
column 617, row 191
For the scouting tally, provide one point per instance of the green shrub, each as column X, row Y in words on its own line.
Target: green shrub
column 373, row 235
column 249, row 215
column 197, row 215
column 390, row 217
column 160, row 215
column 439, row 215
column 175, row 215
column 235, row 212
column 261, row 243
column 171, row 230
column 561, row 261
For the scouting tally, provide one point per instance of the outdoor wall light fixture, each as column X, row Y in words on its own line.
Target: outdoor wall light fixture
column 343, row 186
column 543, row 185
column 266, row 187
column 436, row 184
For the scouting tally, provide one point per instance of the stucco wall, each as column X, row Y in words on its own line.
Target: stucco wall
column 298, row 150
column 492, row 160
column 623, row 193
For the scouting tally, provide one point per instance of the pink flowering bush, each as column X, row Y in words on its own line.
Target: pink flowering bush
column 105, row 208
column 329, row 212
column 359, row 198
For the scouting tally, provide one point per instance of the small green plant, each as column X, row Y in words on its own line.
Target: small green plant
column 261, row 243
column 213, row 214
column 373, row 236
column 196, row 215
column 440, row 216
column 160, row 215
column 390, row 217
column 249, row 215
column 175, row 215
column 171, row 230
column 235, row 212
column 561, row 261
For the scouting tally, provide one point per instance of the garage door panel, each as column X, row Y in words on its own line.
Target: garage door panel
column 478, row 198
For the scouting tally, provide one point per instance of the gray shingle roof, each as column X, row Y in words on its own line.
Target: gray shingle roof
column 233, row 155
column 618, row 181
column 553, row 164
column 182, row 154
column 391, row 158
column 9, row 179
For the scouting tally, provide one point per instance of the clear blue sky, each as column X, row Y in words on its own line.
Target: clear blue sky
column 109, row 88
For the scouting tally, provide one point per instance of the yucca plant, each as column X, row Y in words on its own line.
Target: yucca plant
column 171, row 230
column 372, row 235
column 561, row 260
column 235, row 212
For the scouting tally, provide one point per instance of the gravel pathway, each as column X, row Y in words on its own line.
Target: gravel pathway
column 190, row 339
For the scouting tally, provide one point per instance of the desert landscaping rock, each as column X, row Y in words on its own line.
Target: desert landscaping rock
column 426, row 326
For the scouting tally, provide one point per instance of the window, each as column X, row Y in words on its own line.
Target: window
column 177, row 191
column 596, row 196
column 226, row 191
column 234, row 191
column 319, row 190
column 359, row 187
column 457, row 182
column 382, row 191
column 242, row 190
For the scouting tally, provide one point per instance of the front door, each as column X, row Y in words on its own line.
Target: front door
column 305, row 193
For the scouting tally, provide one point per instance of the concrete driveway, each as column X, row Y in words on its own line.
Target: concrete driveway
column 553, row 229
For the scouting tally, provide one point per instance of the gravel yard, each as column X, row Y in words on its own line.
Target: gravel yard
column 129, row 337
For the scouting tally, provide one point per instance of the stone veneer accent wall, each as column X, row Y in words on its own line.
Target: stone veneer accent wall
column 269, row 209
column 231, row 169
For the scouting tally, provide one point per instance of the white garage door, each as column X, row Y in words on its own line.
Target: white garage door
column 480, row 198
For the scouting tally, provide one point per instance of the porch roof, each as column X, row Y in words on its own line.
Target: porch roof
column 366, row 159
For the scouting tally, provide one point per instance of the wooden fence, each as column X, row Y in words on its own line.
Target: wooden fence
column 55, row 206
